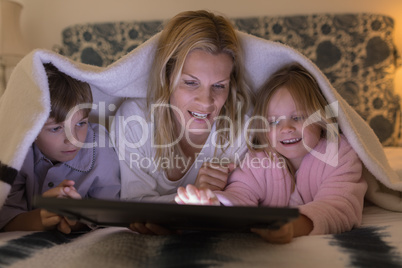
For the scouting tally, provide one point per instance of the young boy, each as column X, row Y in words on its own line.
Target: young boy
column 57, row 166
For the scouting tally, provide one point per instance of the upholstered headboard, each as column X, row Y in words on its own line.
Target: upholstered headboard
column 355, row 51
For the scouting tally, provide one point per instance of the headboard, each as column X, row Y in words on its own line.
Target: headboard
column 355, row 51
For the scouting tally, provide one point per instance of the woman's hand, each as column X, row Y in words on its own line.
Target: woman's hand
column 213, row 176
column 193, row 195
column 188, row 195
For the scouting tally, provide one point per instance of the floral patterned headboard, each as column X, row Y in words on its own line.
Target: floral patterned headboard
column 355, row 51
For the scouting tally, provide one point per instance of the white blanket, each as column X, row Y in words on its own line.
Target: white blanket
column 25, row 105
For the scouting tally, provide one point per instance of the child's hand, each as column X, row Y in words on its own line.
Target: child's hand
column 51, row 221
column 193, row 195
column 65, row 189
column 298, row 227
column 281, row 236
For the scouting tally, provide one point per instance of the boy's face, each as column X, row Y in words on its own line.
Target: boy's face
column 60, row 141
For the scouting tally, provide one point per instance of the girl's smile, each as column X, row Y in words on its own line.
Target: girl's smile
column 288, row 134
column 291, row 141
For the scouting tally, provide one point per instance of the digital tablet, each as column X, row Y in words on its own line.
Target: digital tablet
column 96, row 212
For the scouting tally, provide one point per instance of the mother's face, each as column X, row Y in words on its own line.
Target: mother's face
column 202, row 91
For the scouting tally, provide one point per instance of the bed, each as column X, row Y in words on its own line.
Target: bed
column 356, row 52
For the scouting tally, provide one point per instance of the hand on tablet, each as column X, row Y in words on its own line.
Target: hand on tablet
column 192, row 195
column 298, row 227
column 50, row 220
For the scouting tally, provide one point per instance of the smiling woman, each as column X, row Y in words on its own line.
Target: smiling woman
column 195, row 109
column 202, row 91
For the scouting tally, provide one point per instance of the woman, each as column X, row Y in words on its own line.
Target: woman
column 189, row 129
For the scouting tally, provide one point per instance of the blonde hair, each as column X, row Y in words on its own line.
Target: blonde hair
column 307, row 96
column 184, row 33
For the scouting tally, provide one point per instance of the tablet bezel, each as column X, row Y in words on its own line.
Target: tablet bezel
column 99, row 213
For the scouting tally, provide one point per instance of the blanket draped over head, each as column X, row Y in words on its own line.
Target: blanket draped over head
column 25, row 105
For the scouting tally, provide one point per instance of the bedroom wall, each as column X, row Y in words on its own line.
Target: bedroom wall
column 43, row 20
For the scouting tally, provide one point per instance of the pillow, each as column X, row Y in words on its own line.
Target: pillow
column 101, row 44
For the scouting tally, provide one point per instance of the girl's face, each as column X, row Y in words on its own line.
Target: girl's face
column 288, row 135
column 202, row 91
column 53, row 142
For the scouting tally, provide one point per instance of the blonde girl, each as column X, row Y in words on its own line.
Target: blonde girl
column 297, row 159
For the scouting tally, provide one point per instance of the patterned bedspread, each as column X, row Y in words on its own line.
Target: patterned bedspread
column 378, row 243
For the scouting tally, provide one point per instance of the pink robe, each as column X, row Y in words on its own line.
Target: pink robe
column 332, row 197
